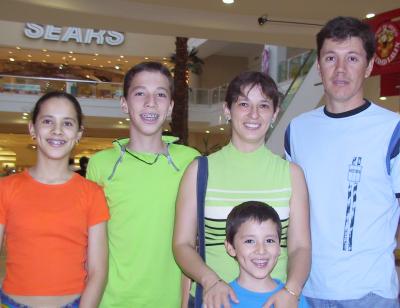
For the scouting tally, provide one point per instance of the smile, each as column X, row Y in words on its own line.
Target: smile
column 252, row 125
column 56, row 142
column 260, row 263
column 149, row 116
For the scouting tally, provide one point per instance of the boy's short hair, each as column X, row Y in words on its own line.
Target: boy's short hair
column 342, row 28
column 150, row 66
column 252, row 79
column 250, row 210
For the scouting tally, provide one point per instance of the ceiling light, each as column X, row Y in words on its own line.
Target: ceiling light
column 109, row 61
column 370, row 15
column 94, row 59
column 383, row 98
column 12, row 59
column 207, row 131
column 228, row 1
column 101, row 65
column 87, row 76
column 166, row 130
column 121, row 57
column 71, row 52
column 146, row 58
column 10, row 52
column 44, row 61
column 44, row 50
column 29, row 60
column 221, row 128
column 96, row 54
column 47, row 55
column 24, row 117
column 60, row 67
column 88, row 64
column 29, row 56
column 117, row 67
column 164, row 58
column 63, row 58
column 73, row 59
column 18, row 47
column 126, row 61
column 25, row 113
column 120, row 122
column 127, row 119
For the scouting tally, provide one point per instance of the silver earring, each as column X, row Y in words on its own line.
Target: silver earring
column 228, row 119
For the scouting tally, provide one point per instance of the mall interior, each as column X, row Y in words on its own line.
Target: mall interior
column 85, row 47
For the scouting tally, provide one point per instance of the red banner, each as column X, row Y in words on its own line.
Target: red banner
column 387, row 55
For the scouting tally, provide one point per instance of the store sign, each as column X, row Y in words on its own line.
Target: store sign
column 388, row 43
column 79, row 35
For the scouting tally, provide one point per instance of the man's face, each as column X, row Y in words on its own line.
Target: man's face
column 343, row 67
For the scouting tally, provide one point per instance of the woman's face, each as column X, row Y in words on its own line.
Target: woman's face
column 56, row 129
column 251, row 116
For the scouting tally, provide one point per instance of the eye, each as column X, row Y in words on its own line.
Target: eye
column 139, row 93
column 264, row 106
column 329, row 58
column 353, row 59
column 249, row 241
column 68, row 123
column 46, row 121
column 161, row 94
column 243, row 104
column 270, row 241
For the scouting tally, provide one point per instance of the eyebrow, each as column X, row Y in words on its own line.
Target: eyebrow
column 144, row 87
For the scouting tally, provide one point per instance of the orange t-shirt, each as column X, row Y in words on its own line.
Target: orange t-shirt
column 46, row 229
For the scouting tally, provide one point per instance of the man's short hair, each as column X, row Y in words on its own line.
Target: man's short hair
column 151, row 66
column 250, row 210
column 342, row 28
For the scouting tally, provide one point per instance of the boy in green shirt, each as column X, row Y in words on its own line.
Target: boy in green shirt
column 140, row 177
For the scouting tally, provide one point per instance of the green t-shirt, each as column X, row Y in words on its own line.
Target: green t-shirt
column 235, row 177
column 141, row 197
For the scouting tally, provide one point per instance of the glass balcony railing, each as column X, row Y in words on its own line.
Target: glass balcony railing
column 294, row 87
column 288, row 69
column 93, row 89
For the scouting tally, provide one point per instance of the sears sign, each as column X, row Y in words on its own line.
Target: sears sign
column 79, row 35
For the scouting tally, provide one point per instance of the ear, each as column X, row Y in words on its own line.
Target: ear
column 319, row 69
column 80, row 133
column 275, row 114
column 369, row 67
column 230, row 249
column 31, row 128
column 226, row 111
column 170, row 108
column 124, row 105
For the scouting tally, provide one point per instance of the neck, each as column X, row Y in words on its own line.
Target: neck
column 266, row 284
column 147, row 144
column 51, row 171
column 246, row 147
column 339, row 107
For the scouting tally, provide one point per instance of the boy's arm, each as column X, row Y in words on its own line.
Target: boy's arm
column 97, row 266
column 299, row 244
column 216, row 293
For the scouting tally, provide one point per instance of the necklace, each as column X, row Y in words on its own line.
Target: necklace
column 142, row 160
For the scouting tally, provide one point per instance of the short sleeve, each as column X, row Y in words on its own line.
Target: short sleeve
column 98, row 210
column 393, row 160
column 288, row 153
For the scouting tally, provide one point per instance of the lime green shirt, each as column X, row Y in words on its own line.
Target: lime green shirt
column 236, row 177
column 141, row 197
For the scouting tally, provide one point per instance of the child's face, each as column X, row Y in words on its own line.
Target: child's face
column 256, row 248
column 148, row 103
column 56, row 129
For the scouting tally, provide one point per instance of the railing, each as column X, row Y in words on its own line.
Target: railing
column 289, row 68
column 79, row 88
column 293, row 88
column 93, row 89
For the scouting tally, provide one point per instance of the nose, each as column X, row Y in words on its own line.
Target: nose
column 253, row 112
column 57, row 128
column 340, row 65
column 150, row 101
column 260, row 248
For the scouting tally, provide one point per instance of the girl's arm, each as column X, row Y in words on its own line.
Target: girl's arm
column 97, row 266
column 216, row 292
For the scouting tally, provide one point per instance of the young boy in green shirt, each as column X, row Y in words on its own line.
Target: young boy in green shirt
column 140, row 177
